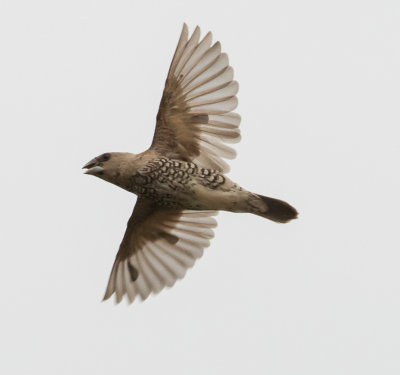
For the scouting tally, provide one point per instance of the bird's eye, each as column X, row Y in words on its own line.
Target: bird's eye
column 105, row 157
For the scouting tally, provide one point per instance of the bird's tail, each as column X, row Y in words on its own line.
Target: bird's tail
column 277, row 210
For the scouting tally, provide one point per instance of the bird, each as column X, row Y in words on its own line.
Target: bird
column 180, row 181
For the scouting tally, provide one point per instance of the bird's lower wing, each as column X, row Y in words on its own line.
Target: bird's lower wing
column 158, row 247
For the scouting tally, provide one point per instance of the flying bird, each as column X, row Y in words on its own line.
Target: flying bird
column 180, row 180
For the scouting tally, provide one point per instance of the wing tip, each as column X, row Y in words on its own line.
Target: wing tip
column 107, row 295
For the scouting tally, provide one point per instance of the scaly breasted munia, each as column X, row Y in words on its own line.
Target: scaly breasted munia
column 180, row 180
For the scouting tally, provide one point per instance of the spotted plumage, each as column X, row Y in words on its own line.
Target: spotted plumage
column 162, row 176
column 180, row 180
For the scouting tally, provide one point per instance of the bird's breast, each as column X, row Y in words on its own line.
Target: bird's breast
column 174, row 183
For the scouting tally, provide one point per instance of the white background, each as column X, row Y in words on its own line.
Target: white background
column 319, row 99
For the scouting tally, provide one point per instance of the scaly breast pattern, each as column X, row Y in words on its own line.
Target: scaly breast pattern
column 171, row 182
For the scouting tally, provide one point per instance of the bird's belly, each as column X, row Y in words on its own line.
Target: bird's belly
column 183, row 185
column 179, row 197
column 196, row 194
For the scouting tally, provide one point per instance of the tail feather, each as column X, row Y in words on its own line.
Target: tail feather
column 278, row 211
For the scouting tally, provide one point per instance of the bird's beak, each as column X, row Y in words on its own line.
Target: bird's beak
column 92, row 167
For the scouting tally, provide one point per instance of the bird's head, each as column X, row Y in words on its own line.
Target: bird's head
column 108, row 166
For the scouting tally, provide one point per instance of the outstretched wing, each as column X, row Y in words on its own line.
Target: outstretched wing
column 159, row 245
column 195, row 121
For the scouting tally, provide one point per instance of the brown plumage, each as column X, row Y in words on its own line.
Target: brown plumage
column 179, row 180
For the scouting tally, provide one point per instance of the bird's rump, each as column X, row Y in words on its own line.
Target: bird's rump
column 195, row 119
column 159, row 245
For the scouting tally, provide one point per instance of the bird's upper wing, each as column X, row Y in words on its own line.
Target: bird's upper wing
column 159, row 245
column 195, row 121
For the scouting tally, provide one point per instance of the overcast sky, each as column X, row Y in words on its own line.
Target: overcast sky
column 319, row 98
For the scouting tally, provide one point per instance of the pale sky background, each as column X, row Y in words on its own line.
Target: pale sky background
column 319, row 98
